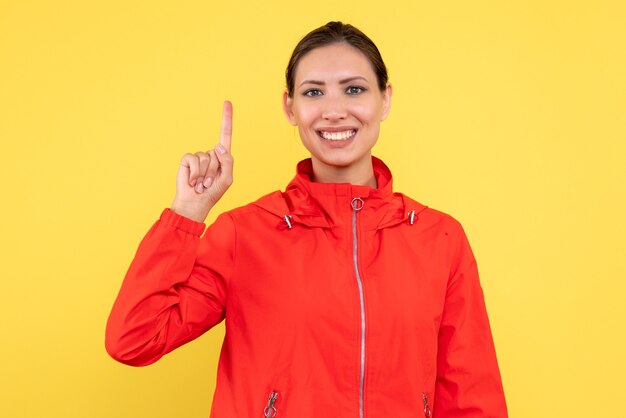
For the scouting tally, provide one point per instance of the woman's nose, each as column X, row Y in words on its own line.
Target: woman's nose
column 334, row 109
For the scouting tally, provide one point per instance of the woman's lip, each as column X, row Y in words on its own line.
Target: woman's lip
column 344, row 143
column 337, row 129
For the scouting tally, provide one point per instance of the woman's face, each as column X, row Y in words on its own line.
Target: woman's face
column 337, row 107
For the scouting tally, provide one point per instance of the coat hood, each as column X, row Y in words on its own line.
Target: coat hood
column 328, row 205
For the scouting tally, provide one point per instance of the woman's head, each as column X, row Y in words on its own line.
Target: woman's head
column 331, row 33
column 337, row 96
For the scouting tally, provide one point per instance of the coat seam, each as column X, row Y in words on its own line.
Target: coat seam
column 234, row 258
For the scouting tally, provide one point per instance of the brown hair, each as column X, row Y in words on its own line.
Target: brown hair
column 337, row 32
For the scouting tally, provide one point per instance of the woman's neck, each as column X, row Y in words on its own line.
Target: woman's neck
column 359, row 173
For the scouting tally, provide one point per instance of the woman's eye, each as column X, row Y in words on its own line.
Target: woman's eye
column 355, row 90
column 313, row 92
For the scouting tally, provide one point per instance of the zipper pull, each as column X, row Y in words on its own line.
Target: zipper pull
column 357, row 203
column 270, row 409
column 426, row 406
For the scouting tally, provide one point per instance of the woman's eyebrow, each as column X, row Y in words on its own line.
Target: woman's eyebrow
column 344, row 81
column 320, row 83
column 347, row 80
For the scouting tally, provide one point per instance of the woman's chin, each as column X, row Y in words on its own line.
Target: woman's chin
column 336, row 159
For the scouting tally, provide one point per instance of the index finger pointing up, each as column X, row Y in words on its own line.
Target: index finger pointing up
column 227, row 125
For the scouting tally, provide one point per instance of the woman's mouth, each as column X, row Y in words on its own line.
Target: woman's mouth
column 337, row 136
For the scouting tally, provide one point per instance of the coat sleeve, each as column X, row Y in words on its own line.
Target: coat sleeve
column 468, row 381
column 174, row 290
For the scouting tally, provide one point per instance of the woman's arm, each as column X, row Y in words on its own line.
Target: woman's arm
column 468, row 379
column 174, row 290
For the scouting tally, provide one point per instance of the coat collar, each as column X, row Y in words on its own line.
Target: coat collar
column 328, row 205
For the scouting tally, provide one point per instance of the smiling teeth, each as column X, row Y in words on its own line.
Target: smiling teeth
column 338, row 136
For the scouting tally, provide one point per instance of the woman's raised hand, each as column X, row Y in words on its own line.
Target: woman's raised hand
column 204, row 177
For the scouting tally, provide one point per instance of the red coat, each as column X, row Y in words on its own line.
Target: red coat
column 339, row 300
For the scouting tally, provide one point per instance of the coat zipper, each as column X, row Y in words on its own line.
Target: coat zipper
column 357, row 204
column 270, row 409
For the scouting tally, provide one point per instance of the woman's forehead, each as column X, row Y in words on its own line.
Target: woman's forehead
column 333, row 63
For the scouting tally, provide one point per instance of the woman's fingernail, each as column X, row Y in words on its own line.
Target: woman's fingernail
column 193, row 183
column 208, row 181
column 199, row 187
column 220, row 149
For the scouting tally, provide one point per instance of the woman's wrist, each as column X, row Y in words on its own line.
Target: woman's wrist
column 189, row 211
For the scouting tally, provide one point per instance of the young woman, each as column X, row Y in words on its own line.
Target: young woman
column 341, row 298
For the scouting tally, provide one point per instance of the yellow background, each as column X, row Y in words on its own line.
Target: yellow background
column 511, row 116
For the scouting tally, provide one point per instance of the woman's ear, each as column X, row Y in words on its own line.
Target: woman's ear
column 288, row 108
column 386, row 101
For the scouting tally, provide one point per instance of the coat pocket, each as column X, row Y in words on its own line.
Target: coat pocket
column 426, row 401
column 270, row 409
